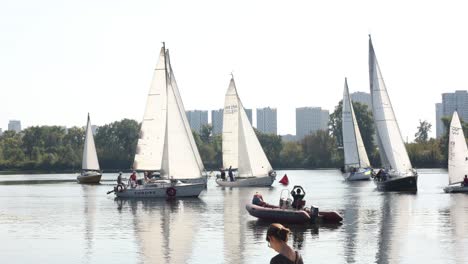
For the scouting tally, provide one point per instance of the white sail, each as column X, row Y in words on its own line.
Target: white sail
column 391, row 147
column 231, row 128
column 150, row 145
column 458, row 152
column 166, row 143
column 90, row 159
column 183, row 158
column 240, row 143
column 354, row 151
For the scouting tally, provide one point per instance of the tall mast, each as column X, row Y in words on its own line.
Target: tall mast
column 352, row 120
column 166, row 152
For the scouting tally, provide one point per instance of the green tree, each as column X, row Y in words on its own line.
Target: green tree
column 291, row 155
column 209, row 147
column 272, row 145
column 426, row 154
column 116, row 144
column 423, row 131
column 11, row 148
column 320, row 150
column 365, row 122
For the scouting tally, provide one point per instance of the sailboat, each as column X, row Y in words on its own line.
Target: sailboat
column 242, row 151
column 166, row 150
column 457, row 157
column 397, row 173
column 357, row 165
column 90, row 165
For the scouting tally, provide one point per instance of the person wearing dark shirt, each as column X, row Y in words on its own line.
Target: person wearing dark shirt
column 231, row 176
column 223, row 174
column 465, row 181
column 277, row 237
column 297, row 196
column 119, row 178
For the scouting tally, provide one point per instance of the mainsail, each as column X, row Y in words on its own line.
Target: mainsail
column 241, row 148
column 391, row 147
column 90, row 160
column 458, row 151
column 166, row 142
column 354, row 151
column 150, row 145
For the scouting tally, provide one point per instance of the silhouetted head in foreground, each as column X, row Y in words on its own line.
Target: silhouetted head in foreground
column 277, row 233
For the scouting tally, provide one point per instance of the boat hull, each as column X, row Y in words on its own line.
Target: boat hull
column 456, row 189
column 292, row 216
column 89, row 178
column 202, row 180
column 398, row 184
column 265, row 181
column 279, row 215
column 360, row 175
column 161, row 191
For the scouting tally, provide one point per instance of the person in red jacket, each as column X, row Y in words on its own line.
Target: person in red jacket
column 133, row 179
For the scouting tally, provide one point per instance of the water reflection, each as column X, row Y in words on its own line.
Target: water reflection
column 393, row 227
column 164, row 230
column 89, row 208
column 350, row 222
column 234, row 229
column 459, row 223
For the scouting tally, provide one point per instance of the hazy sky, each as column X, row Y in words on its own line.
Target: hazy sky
column 61, row 59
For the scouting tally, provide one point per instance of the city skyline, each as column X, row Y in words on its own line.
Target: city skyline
column 60, row 63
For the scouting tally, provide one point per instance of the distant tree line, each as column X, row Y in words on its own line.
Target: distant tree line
column 52, row 148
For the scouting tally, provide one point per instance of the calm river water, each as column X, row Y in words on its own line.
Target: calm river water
column 52, row 219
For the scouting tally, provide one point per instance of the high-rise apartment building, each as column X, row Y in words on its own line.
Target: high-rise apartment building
column 450, row 102
column 217, row 121
column 363, row 98
column 267, row 120
column 310, row 120
column 439, row 124
column 14, row 125
column 197, row 119
column 249, row 115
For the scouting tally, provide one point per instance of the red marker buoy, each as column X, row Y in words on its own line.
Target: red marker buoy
column 284, row 180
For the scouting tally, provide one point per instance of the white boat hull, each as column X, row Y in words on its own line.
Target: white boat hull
column 360, row 175
column 456, row 189
column 202, row 180
column 265, row 181
column 89, row 177
column 161, row 190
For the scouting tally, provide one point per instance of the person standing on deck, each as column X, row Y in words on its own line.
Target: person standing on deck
column 223, row 174
column 231, row 176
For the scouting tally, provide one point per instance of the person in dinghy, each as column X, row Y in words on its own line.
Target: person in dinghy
column 258, row 200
